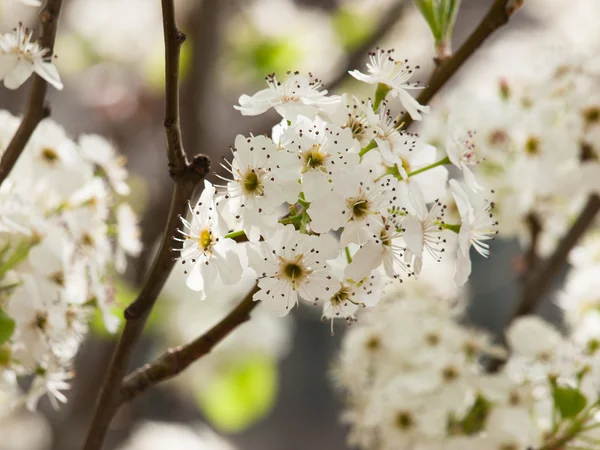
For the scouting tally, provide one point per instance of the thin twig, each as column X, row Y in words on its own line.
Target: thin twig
column 531, row 257
column 186, row 177
column 537, row 284
column 175, row 360
column 174, row 38
column 36, row 109
column 497, row 16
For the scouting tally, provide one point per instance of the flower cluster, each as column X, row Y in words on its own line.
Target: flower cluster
column 538, row 148
column 337, row 201
column 62, row 227
column 413, row 378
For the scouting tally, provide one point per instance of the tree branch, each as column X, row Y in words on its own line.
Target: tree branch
column 498, row 15
column 175, row 360
column 536, row 285
column 186, row 177
column 36, row 109
column 174, row 39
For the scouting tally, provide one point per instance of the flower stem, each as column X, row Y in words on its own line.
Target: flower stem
column 348, row 255
column 235, row 234
column 370, row 146
column 380, row 94
column 441, row 162
column 449, row 226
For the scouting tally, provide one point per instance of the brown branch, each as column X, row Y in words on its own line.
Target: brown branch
column 174, row 38
column 175, row 360
column 186, row 177
column 36, row 109
column 536, row 285
column 498, row 15
column 535, row 228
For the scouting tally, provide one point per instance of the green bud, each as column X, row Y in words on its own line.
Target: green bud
column 440, row 15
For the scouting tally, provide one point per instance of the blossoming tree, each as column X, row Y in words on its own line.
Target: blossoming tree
column 341, row 207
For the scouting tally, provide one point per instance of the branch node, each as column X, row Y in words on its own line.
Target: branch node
column 181, row 37
column 46, row 110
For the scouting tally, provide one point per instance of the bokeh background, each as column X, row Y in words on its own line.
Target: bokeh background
column 110, row 55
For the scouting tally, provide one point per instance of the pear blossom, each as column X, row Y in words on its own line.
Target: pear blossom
column 262, row 179
column 291, row 266
column 384, row 69
column 478, row 226
column 293, row 96
column 461, row 149
column 205, row 247
column 325, row 155
column 349, row 113
column 19, row 58
column 99, row 151
column 128, row 236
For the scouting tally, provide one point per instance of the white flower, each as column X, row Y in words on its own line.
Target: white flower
column 462, row 152
column 384, row 69
column 205, row 247
column 128, row 236
column 263, row 178
column 421, row 231
column 19, row 58
column 477, row 227
column 533, row 337
column 30, row 2
column 295, row 95
column 393, row 145
column 291, row 265
column 356, row 209
column 325, row 154
column 100, row 152
column 51, row 381
column 350, row 113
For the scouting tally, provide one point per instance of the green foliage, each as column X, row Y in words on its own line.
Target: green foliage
column 261, row 55
column 568, row 401
column 7, row 327
column 241, row 395
column 440, row 15
column 351, row 27
column 474, row 420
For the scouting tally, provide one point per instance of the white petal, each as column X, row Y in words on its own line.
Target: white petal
column 49, row 73
column 18, row 75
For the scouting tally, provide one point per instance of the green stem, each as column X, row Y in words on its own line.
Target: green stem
column 348, row 255
column 370, row 146
column 380, row 94
column 235, row 234
column 449, row 226
column 441, row 162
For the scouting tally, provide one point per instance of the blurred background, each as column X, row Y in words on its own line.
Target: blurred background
column 277, row 394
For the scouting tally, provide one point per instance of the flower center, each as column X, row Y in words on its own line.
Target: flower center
column 41, row 320
column 205, row 239
column 591, row 115
column 449, row 373
column 293, row 270
column 532, row 146
column 341, row 296
column 314, row 158
column 49, row 155
column 252, row 183
column 356, row 127
column 359, row 207
column 404, row 420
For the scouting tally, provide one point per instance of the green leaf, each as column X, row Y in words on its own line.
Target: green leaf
column 7, row 327
column 568, row 401
column 243, row 394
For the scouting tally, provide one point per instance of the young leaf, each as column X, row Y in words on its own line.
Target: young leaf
column 568, row 401
column 7, row 327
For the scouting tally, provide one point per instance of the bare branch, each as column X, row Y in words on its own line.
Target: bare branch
column 175, row 360
column 174, row 39
column 36, row 109
column 186, row 177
